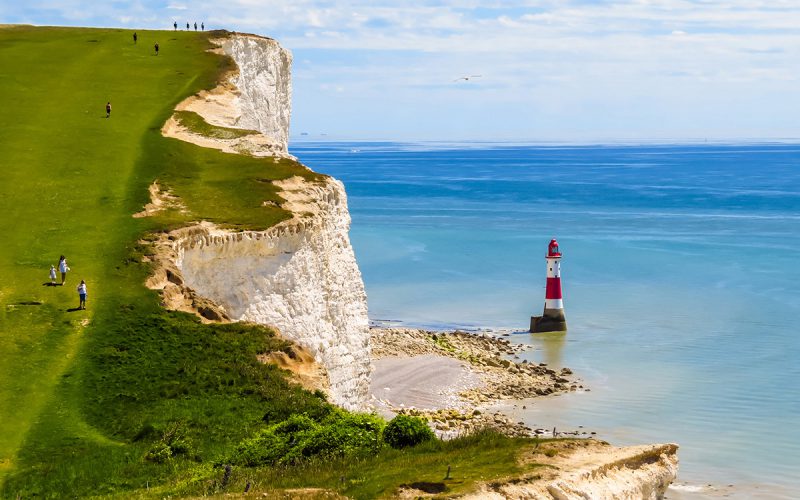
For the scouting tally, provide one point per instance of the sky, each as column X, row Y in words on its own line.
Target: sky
column 550, row 70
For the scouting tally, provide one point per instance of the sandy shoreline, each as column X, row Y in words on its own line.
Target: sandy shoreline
column 452, row 378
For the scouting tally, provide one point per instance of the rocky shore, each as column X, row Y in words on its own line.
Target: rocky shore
column 491, row 359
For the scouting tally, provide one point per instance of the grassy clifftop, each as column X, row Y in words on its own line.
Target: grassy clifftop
column 86, row 395
column 76, row 386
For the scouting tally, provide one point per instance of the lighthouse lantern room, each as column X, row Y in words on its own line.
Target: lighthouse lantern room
column 552, row 319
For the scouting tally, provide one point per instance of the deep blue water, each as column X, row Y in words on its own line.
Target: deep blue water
column 681, row 277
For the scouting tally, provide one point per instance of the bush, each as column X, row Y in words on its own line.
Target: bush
column 342, row 434
column 299, row 438
column 159, row 453
column 273, row 444
column 405, row 431
column 173, row 442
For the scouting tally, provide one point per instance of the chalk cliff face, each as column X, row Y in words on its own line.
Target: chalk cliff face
column 300, row 276
column 264, row 83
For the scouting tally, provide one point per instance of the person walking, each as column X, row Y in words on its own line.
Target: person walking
column 108, row 109
column 175, row 24
column 156, row 47
column 135, row 37
column 202, row 26
column 195, row 26
column 82, row 295
column 63, row 267
column 52, row 275
column 187, row 26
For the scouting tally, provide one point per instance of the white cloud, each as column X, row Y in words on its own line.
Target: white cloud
column 563, row 61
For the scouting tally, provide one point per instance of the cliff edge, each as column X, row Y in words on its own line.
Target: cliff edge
column 299, row 276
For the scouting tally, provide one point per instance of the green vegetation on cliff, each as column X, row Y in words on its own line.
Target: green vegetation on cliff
column 126, row 398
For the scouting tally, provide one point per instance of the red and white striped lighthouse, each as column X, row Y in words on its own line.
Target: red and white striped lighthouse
column 553, row 319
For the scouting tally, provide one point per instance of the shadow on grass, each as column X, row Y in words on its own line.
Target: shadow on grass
column 427, row 487
column 73, row 309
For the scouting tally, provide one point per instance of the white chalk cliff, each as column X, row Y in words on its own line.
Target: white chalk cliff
column 596, row 471
column 265, row 85
column 300, row 276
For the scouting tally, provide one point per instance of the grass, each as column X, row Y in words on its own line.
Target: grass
column 197, row 124
column 227, row 189
column 485, row 456
column 76, row 386
column 70, row 179
column 86, row 395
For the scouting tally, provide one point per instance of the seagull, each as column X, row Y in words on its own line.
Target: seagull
column 467, row 78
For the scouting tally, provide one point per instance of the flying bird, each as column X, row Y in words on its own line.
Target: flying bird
column 467, row 78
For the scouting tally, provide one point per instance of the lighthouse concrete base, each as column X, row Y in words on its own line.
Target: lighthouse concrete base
column 551, row 321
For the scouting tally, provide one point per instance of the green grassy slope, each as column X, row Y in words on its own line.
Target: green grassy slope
column 80, row 384
column 67, row 185
column 85, row 395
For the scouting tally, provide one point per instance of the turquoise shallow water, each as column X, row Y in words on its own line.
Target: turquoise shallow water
column 681, row 277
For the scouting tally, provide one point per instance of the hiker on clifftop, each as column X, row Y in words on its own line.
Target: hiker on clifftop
column 135, row 37
column 62, row 266
column 82, row 295
column 195, row 26
column 175, row 24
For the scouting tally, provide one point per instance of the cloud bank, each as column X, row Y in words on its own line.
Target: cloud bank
column 551, row 70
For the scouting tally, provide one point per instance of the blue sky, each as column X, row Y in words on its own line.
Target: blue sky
column 551, row 70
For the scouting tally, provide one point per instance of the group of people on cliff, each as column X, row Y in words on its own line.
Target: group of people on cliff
column 202, row 26
column 156, row 48
column 63, row 268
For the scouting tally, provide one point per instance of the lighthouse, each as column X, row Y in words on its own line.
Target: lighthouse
column 552, row 320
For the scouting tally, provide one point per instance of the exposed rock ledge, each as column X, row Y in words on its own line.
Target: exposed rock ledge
column 589, row 469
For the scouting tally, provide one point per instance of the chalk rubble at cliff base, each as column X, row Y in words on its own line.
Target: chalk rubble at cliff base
column 489, row 378
column 485, row 354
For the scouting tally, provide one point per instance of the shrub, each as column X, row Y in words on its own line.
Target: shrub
column 173, row 442
column 299, row 438
column 159, row 453
column 342, row 434
column 273, row 444
column 405, row 431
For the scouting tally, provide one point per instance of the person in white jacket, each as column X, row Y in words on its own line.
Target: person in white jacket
column 82, row 295
column 62, row 266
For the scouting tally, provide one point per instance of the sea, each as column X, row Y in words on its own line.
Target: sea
column 680, row 274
